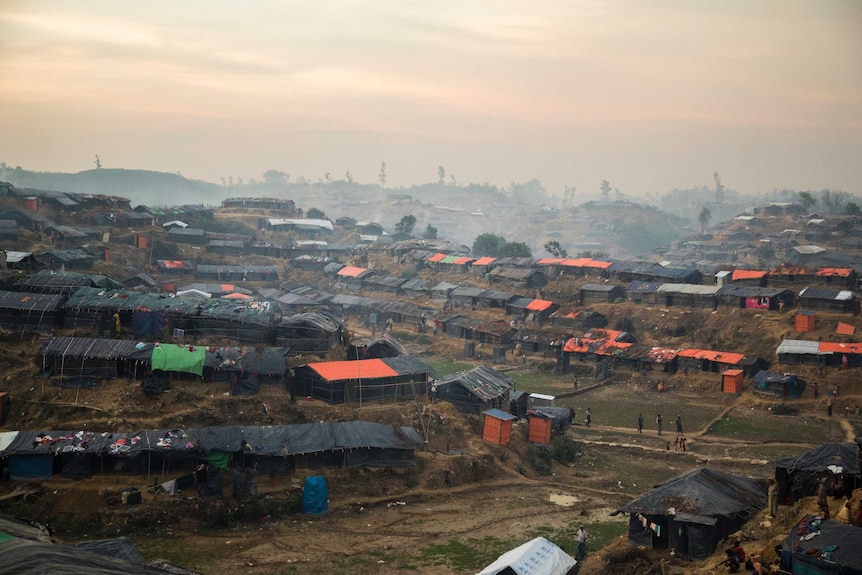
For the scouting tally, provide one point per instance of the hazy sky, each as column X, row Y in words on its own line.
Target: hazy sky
column 649, row 95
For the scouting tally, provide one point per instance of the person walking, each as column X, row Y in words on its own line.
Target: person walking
column 589, row 417
column 658, row 422
column 582, row 543
column 679, row 426
column 682, row 443
column 640, row 422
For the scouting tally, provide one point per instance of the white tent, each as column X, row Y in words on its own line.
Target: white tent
column 536, row 557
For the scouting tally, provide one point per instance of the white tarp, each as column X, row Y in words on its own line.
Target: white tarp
column 536, row 557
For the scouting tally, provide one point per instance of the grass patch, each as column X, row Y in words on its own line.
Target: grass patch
column 754, row 425
column 443, row 367
column 599, row 534
column 176, row 550
column 469, row 555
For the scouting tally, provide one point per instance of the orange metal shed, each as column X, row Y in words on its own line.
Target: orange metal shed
column 731, row 381
column 804, row 321
column 498, row 426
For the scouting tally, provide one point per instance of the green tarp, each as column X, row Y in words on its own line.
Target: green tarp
column 219, row 459
column 188, row 359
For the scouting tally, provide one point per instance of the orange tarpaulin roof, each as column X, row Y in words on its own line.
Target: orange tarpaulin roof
column 227, row 287
column 719, row 356
column 237, row 296
column 350, row 271
column 845, row 328
column 829, row 346
column 747, row 275
column 461, row 261
column 361, row 369
column 483, row 261
column 834, row 272
column 172, row 264
column 585, row 263
column 539, row 305
column 549, row 261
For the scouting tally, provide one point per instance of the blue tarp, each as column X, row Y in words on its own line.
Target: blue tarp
column 25, row 468
column 315, row 499
column 149, row 325
column 780, row 384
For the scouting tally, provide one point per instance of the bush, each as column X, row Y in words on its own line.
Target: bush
column 540, row 459
column 784, row 409
column 566, row 450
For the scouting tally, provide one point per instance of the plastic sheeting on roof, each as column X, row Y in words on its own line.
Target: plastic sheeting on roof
column 703, row 491
column 843, row 455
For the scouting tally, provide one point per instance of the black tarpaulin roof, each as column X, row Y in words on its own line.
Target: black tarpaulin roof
column 281, row 440
column 407, row 365
column 118, row 548
column 701, row 491
column 23, row 557
column 97, row 348
column 29, row 301
column 65, row 280
column 843, row 455
column 320, row 319
column 266, row 361
column 847, row 553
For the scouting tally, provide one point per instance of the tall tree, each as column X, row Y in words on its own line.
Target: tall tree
column 381, row 177
column 719, row 187
column 315, row 214
column 430, row 232
column 807, row 200
column 98, row 162
column 834, row 200
column 441, row 175
column 348, row 176
column 487, row 244
column 405, row 226
column 275, row 177
column 605, row 188
column 852, row 209
column 704, row 217
column 515, row 250
column 554, row 248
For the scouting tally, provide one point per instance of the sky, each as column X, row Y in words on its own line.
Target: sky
column 650, row 96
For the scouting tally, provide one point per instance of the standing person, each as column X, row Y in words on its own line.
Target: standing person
column 822, row 488
column 640, row 422
column 829, row 407
column 682, row 443
column 589, row 417
column 118, row 326
column 772, row 496
column 582, row 543
column 433, row 391
column 658, row 422
column 679, row 425
column 816, row 390
column 676, row 443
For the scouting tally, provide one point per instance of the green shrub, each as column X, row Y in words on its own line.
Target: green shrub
column 566, row 450
column 540, row 459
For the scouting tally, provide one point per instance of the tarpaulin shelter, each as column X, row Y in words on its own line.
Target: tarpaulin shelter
column 48, row 281
column 25, row 557
column 786, row 385
column 30, row 312
column 245, row 367
column 799, row 476
column 476, row 389
column 403, row 377
column 838, row 545
column 91, row 357
column 536, row 557
column 378, row 347
column 546, row 420
column 315, row 332
column 179, row 358
column 693, row 512
column 252, row 322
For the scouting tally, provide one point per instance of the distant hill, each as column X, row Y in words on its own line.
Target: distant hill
column 140, row 186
